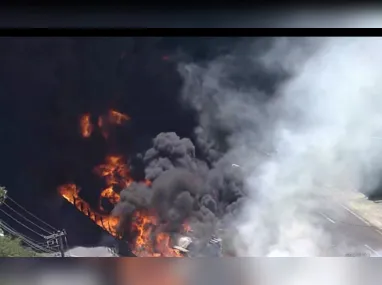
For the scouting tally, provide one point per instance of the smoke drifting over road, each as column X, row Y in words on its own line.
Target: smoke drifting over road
column 317, row 131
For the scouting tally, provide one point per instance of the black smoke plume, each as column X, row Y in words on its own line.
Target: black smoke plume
column 184, row 188
column 46, row 84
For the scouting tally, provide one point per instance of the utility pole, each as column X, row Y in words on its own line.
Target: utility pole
column 57, row 239
column 61, row 243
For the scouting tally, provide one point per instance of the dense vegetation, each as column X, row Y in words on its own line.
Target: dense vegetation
column 12, row 247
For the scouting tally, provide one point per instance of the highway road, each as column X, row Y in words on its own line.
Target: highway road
column 350, row 234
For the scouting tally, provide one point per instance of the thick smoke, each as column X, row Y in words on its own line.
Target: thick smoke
column 315, row 134
column 297, row 115
column 48, row 83
column 201, row 184
column 184, row 189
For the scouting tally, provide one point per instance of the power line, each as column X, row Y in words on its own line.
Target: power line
column 45, row 223
column 28, row 241
column 3, row 224
column 58, row 238
column 53, row 240
column 20, row 223
column 49, row 232
column 37, row 247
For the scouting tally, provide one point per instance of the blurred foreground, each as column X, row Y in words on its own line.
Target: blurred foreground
column 171, row 271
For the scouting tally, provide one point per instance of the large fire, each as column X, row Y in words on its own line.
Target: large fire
column 116, row 174
column 107, row 222
column 149, row 242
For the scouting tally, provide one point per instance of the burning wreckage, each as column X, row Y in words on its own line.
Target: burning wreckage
column 195, row 248
column 163, row 215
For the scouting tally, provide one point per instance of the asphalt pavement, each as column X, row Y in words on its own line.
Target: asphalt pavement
column 350, row 234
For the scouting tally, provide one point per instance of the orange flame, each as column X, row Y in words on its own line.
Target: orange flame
column 147, row 244
column 71, row 193
column 109, row 194
column 117, row 118
column 86, row 126
column 116, row 174
column 115, row 171
column 112, row 118
column 163, row 246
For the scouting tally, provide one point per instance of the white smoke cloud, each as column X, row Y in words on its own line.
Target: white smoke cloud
column 320, row 130
column 313, row 271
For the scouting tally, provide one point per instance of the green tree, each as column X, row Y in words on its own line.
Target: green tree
column 3, row 194
column 10, row 247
